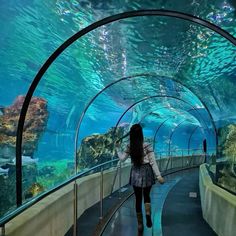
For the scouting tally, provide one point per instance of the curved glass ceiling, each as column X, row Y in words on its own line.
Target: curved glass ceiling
column 126, row 48
column 157, row 53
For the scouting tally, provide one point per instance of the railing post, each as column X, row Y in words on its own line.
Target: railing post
column 160, row 163
column 3, row 230
column 182, row 158
column 114, row 180
column 101, row 195
column 75, row 210
column 167, row 163
column 120, row 180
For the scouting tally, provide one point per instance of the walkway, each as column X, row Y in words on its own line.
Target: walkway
column 176, row 210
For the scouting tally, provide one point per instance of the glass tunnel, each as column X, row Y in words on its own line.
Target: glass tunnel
column 73, row 84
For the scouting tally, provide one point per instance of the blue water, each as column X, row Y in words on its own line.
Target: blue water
column 166, row 50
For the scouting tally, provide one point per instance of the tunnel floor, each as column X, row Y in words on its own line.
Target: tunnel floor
column 176, row 210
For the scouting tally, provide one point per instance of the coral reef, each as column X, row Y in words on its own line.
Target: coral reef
column 98, row 148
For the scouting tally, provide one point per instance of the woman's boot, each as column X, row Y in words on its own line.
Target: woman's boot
column 148, row 215
column 140, row 221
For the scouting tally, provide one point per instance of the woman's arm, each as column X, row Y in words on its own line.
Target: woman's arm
column 123, row 155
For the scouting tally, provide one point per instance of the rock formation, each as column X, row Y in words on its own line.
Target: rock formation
column 35, row 123
column 227, row 144
column 98, row 148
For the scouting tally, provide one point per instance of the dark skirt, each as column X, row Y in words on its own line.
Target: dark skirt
column 142, row 176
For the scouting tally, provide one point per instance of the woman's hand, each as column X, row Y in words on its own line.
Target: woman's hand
column 160, row 179
column 117, row 144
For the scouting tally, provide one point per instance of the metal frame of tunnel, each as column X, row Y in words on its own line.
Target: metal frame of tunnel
column 191, row 136
column 161, row 124
column 133, row 77
column 153, row 112
column 155, row 135
column 142, row 75
column 154, row 138
column 155, row 96
column 172, row 133
column 160, row 96
column 67, row 43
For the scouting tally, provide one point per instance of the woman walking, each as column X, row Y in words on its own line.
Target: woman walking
column 143, row 173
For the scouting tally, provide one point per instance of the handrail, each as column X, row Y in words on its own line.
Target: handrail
column 192, row 149
column 5, row 219
column 169, row 158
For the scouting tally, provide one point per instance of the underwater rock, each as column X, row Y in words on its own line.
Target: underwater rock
column 227, row 144
column 47, row 171
column 35, row 123
column 71, row 167
column 8, row 185
column 98, row 148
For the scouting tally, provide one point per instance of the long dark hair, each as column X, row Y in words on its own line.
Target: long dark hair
column 136, row 144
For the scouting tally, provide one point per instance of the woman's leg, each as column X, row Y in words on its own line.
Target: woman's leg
column 138, row 207
column 146, row 194
column 147, row 204
column 138, row 197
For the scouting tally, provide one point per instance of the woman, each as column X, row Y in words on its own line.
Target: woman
column 143, row 173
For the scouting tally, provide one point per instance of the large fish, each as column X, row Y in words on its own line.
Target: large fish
column 26, row 160
column 4, row 171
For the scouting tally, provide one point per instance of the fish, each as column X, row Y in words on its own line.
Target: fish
column 4, row 161
column 4, row 171
column 2, row 110
column 27, row 160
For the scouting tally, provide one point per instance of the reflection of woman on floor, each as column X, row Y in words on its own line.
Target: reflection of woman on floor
column 143, row 173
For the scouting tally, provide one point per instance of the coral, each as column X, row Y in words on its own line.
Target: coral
column 34, row 190
column 52, row 173
column 35, row 123
column 98, row 148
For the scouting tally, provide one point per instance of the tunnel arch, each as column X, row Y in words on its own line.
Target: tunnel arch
column 69, row 42
column 193, row 131
column 172, row 133
column 163, row 96
column 173, row 116
column 140, row 76
column 144, row 75
column 158, row 96
column 160, row 125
